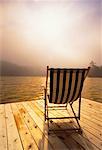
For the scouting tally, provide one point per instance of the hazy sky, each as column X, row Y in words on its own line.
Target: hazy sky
column 56, row 33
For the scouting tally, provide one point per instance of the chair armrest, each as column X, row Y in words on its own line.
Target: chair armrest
column 46, row 94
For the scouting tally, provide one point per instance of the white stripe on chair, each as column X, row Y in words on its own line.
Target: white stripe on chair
column 78, row 85
column 72, row 86
column 66, row 87
column 74, row 91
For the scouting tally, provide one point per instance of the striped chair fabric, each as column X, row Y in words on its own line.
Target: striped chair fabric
column 66, row 84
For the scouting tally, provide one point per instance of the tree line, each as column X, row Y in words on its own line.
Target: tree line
column 95, row 71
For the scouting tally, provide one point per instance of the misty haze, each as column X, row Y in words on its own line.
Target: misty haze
column 50, row 70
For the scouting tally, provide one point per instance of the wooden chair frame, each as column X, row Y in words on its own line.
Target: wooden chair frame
column 76, row 117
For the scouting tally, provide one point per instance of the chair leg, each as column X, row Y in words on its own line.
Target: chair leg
column 75, row 116
column 45, row 103
column 45, row 111
column 47, row 118
column 79, row 107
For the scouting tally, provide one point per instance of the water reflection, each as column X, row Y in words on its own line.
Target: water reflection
column 31, row 88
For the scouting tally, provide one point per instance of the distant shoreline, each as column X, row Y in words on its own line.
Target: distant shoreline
column 10, row 69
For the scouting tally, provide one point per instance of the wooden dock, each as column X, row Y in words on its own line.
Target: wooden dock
column 22, row 127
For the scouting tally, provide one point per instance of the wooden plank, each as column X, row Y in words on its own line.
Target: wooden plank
column 26, row 137
column 94, row 113
column 89, row 104
column 90, row 139
column 50, row 137
column 92, row 127
column 90, row 118
column 53, row 139
column 83, row 142
column 90, row 136
column 51, row 114
column 3, row 129
column 67, row 139
column 91, row 124
column 92, row 104
column 13, row 138
column 86, row 117
column 92, row 130
column 87, row 109
column 29, row 119
column 40, row 139
column 86, row 134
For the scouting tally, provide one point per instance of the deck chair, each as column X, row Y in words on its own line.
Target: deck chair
column 65, row 87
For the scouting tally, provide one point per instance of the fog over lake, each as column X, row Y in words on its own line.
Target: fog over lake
column 59, row 34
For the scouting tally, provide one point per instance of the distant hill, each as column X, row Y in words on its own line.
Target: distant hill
column 10, row 69
column 95, row 71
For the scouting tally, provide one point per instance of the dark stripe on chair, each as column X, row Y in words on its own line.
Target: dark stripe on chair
column 69, row 88
column 64, row 83
column 51, row 84
column 75, row 86
column 57, row 87
column 82, row 81
column 78, row 86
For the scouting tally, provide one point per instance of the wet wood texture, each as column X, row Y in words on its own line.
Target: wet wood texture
column 22, row 127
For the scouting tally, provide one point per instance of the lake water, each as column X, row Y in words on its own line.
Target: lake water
column 31, row 88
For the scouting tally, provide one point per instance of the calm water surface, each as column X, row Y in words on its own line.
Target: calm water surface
column 31, row 88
